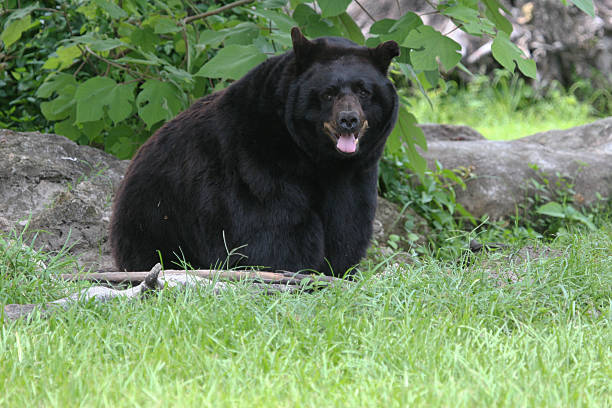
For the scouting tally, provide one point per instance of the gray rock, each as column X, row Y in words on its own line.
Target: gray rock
column 61, row 190
column 441, row 132
column 502, row 171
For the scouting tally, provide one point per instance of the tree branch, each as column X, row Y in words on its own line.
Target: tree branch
column 188, row 20
column 287, row 278
column 117, row 65
column 365, row 11
column 156, row 279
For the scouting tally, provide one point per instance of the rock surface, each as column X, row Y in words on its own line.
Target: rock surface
column 60, row 189
column 502, row 172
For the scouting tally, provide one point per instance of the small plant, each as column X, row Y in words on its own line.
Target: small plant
column 551, row 203
column 431, row 195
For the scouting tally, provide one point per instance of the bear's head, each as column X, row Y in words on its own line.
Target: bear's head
column 340, row 103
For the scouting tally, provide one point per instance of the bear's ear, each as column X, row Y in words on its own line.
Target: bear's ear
column 383, row 54
column 302, row 48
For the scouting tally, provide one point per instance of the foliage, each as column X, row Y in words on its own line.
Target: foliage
column 115, row 71
column 551, row 204
column 432, row 196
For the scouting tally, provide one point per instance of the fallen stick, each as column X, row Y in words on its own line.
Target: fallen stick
column 156, row 279
column 287, row 278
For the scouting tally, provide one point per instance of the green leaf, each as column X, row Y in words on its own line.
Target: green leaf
column 396, row 30
column 121, row 141
column 575, row 215
column 98, row 93
column 492, row 11
column 21, row 13
column 407, row 23
column 312, row 24
column 89, row 10
column 552, row 209
column 507, row 54
column 158, row 101
column 232, row 62
column 410, row 74
column 273, row 3
column 145, row 38
column 242, row 34
column 64, row 58
column 12, row 32
column 93, row 130
column 59, row 108
column 382, row 26
column 469, row 19
column 165, row 25
column 106, row 45
column 60, row 82
column 279, row 20
column 120, row 102
column 409, row 135
column 427, row 44
column 348, row 27
column 67, row 128
column 63, row 105
column 331, row 8
column 586, row 6
column 461, row 12
column 91, row 97
column 112, row 9
column 177, row 74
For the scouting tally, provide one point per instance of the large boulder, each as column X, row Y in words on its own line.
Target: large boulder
column 503, row 171
column 61, row 191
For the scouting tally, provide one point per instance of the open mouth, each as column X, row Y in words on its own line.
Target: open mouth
column 345, row 142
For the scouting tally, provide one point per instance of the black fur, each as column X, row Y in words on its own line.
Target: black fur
column 253, row 165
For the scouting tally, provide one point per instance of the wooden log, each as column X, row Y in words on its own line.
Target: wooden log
column 281, row 278
column 156, row 279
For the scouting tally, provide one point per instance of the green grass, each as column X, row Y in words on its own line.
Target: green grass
column 430, row 334
column 505, row 108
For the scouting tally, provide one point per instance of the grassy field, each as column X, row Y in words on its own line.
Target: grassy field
column 428, row 334
column 505, row 108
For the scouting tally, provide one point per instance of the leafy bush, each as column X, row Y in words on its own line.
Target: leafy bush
column 114, row 71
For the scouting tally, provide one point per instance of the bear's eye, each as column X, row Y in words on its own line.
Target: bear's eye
column 364, row 93
column 327, row 96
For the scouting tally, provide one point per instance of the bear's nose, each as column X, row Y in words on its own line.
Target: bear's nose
column 348, row 121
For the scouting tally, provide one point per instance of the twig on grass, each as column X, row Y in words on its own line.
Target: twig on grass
column 156, row 279
column 289, row 278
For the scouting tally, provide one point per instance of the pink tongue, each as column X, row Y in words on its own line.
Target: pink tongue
column 347, row 143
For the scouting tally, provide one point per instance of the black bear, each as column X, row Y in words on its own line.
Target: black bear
column 282, row 164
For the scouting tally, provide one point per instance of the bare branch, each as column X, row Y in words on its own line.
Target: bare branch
column 238, row 3
column 117, row 65
column 156, row 279
column 365, row 11
column 289, row 278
